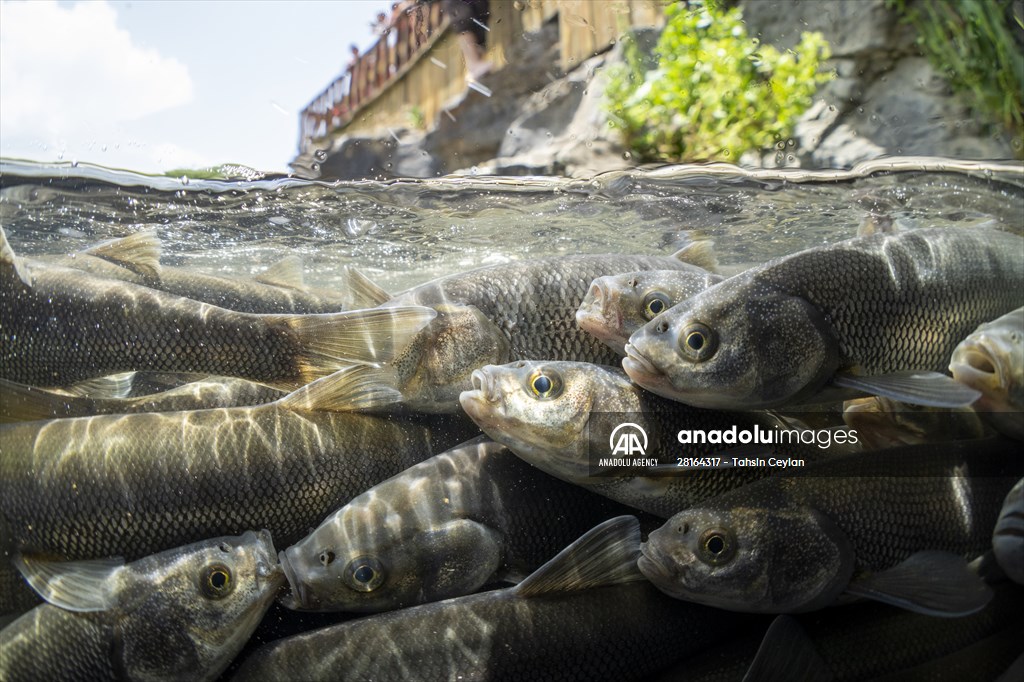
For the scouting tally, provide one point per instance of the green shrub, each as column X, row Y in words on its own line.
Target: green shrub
column 972, row 43
column 715, row 92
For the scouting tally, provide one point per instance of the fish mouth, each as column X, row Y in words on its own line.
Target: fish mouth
column 483, row 384
column 298, row 597
column 656, row 567
column 636, row 364
column 976, row 368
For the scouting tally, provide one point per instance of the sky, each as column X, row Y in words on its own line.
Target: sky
column 151, row 86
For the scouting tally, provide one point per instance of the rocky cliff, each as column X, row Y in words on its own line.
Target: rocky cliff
column 886, row 99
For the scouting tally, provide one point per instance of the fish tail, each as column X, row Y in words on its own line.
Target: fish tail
column 331, row 342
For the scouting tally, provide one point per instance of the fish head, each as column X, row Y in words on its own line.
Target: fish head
column 991, row 360
column 390, row 548
column 541, row 410
column 734, row 347
column 189, row 611
column 616, row 306
column 600, row 315
column 438, row 364
column 749, row 559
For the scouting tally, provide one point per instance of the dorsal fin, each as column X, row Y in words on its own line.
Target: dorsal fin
column 139, row 252
column 701, row 253
column 72, row 585
column 605, row 555
column 362, row 291
column 286, row 273
column 11, row 263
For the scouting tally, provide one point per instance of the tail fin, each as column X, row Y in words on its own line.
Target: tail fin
column 332, row 342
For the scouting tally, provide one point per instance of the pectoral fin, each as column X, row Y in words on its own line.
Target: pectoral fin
column 72, row 585
column 931, row 583
column 917, row 388
column 786, row 654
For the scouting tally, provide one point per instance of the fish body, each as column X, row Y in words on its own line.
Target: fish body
column 60, row 325
column 1008, row 536
column 470, row 516
column 504, row 313
column 857, row 315
column 565, row 431
column 27, row 403
column 131, row 485
column 991, row 360
column 893, row 525
column 583, row 615
column 617, row 305
column 884, row 423
column 183, row 614
column 279, row 289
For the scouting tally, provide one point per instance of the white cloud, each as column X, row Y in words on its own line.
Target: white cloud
column 69, row 71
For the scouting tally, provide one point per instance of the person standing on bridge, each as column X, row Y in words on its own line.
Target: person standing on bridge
column 469, row 20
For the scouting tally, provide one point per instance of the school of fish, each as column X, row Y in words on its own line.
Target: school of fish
column 585, row 467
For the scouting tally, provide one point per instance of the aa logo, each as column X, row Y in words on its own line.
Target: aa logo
column 628, row 439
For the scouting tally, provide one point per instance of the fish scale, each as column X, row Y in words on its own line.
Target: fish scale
column 909, row 295
column 131, row 485
column 534, row 302
column 872, row 314
column 796, row 543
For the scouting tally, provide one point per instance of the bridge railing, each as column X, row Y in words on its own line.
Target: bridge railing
column 411, row 33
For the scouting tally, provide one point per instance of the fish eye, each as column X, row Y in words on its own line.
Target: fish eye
column 215, row 581
column 546, row 384
column 697, row 342
column 326, row 557
column 717, row 546
column 364, row 574
column 655, row 303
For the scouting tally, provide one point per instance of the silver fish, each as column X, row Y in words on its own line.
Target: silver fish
column 558, row 417
column 991, row 360
column 877, row 314
column 60, row 325
column 183, row 614
column 131, row 485
column 617, row 305
column 502, row 313
column 279, row 289
column 583, row 615
column 473, row 515
column 894, row 526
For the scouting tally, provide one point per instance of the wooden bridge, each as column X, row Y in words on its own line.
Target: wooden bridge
column 417, row 66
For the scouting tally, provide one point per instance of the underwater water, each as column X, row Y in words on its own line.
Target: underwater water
column 402, row 233
column 405, row 232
